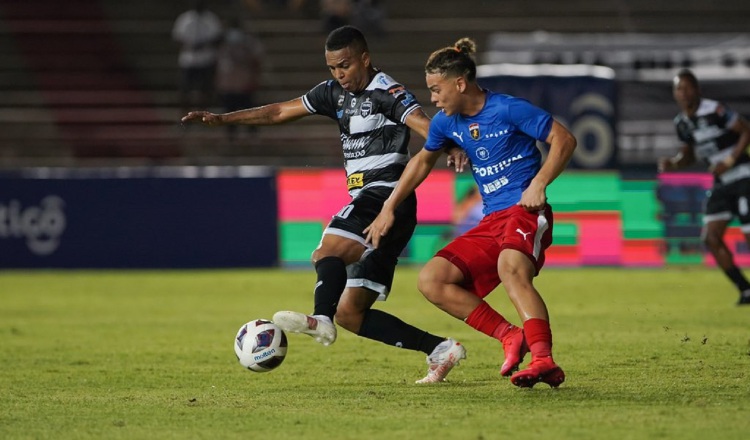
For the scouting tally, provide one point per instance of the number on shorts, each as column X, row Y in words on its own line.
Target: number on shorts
column 345, row 211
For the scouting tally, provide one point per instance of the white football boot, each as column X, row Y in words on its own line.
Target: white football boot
column 442, row 360
column 319, row 327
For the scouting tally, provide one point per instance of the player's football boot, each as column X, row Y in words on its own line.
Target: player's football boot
column 319, row 327
column 539, row 370
column 744, row 298
column 442, row 360
column 515, row 348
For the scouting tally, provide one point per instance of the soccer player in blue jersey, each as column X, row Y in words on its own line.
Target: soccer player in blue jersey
column 499, row 134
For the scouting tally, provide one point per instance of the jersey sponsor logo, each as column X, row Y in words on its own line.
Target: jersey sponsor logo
column 350, row 155
column 356, row 180
column 460, row 136
column 354, row 148
column 474, row 130
column 495, row 185
column 352, row 109
column 496, row 168
column 482, row 153
column 408, row 99
column 366, row 108
column 497, row 134
column 400, row 90
column 340, row 102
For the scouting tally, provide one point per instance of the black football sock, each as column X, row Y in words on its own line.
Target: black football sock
column 380, row 326
column 738, row 278
column 331, row 284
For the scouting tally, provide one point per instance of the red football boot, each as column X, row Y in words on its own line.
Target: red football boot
column 515, row 348
column 539, row 370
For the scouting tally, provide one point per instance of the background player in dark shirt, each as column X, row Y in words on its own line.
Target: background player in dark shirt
column 374, row 114
column 714, row 134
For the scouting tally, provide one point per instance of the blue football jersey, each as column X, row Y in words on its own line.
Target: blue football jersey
column 500, row 141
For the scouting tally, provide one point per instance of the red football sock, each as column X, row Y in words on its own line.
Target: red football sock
column 538, row 337
column 485, row 319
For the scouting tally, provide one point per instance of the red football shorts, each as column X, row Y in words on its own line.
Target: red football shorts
column 476, row 252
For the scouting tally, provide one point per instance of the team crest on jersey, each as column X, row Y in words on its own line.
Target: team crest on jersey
column 474, row 130
column 356, row 180
column 483, row 153
column 366, row 108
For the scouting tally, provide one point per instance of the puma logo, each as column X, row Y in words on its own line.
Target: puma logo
column 523, row 233
column 459, row 136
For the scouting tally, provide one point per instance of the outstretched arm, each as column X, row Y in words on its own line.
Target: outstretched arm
column 270, row 114
column 416, row 171
column 562, row 143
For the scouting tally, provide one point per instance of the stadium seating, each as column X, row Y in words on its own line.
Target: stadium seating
column 85, row 80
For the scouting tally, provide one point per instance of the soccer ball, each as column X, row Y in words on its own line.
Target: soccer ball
column 260, row 345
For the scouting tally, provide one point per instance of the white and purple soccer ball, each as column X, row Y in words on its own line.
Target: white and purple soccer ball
column 260, row 345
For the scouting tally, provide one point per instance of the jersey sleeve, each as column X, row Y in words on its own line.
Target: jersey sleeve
column 727, row 115
column 530, row 119
column 682, row 134
column 436, row 138
column 398, row 103
column 319, row 100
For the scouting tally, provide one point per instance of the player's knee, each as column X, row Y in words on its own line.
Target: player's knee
column 711, row 239
column 316, row 256
column 429, row 284
column 510, row 274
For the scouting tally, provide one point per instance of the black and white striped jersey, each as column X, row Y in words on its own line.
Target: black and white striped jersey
column 708, row 133
column 374, row 137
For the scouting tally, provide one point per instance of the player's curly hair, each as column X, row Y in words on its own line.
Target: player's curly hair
column 454, row 61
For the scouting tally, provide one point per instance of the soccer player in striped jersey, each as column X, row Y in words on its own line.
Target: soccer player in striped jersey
column 499, row 134
column 718, row 136
column 375, row 115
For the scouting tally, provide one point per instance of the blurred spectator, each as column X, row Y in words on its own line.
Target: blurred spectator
column 199, row 32
column 335, row 13
column 369, row 16
column 238, row 71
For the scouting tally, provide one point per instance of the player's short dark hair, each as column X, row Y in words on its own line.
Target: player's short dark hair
column 454, row 61
column 346, row 36
column 687, row 75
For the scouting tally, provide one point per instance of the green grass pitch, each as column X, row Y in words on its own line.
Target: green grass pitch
column 649, row 354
